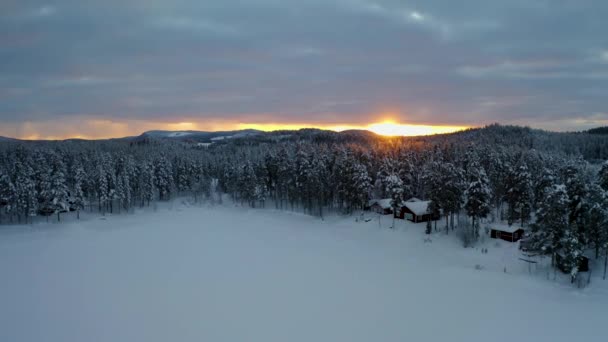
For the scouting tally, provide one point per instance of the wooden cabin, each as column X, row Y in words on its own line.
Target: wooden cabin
column 416, row 210
column 381, row 206
column 505, row 232
column 583, row 265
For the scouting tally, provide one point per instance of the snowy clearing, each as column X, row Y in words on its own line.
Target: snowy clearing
column 237, row 274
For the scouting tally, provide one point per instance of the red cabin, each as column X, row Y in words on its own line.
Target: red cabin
column 506, row 232
column 416, row 210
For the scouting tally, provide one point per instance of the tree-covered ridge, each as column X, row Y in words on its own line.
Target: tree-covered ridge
column 598, row 130
column 592, row 147
column 482, row 173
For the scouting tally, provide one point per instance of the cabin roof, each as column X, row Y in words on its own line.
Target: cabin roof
column 384, row 203
column 503, row 227
column 418, row 207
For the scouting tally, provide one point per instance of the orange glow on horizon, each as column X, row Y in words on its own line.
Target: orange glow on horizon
column 385, row 128
column 83, row 128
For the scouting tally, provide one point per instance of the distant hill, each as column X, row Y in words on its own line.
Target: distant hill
column 592, row 144
column 197, row 136
column 599, row 130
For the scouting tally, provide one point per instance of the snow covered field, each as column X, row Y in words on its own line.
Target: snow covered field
column 237, row 274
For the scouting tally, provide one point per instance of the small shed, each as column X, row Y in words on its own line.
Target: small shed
column 583, row 265
column 416, row 210
column 381, row 206
column 506, row 232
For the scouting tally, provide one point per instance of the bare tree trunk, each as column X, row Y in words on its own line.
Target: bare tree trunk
column 452, row 221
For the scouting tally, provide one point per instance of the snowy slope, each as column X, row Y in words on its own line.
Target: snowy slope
column 226, row 274
column 178, row 134
column 200, row 136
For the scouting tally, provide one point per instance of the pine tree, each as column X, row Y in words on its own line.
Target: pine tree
column 101, row 186
column 497, row 170
column 597, row 218
column 25, row 190
column 603, row 176
column 353, row 182
column 519, row 195
column 451, row 200
column 58, row 196
column 163, row 178
column 394, row 187
column 247, row 184
column 7, row 194
column 573, row 249
column 78, row 199
column 147, row 183
column 183, row 179
column 362, row 185
column 551, row 221
column 477, row 196
column 201, row 186
column 545, row 182
column 577, row 192
column 434, row 188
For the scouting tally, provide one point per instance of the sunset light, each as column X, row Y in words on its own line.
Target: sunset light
column 102, row 129
column 389, row 128
column 385, row 128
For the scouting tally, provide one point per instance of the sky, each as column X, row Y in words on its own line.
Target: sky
column 113, row 68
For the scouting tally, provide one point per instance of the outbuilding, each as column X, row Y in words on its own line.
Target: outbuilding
column 381, row 206
column 506, row 232
column 416, row 210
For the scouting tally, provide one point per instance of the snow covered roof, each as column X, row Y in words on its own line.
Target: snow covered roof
column 505, row 227
column 414, row 199
column 418, row 207
column 383, row 203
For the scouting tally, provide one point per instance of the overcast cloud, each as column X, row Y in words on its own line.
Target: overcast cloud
column 467, row 62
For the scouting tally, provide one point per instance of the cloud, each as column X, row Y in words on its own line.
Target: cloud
column 530, row 70
column 44, row 11
column 340, row 61
column 200, row 24
column 417, row 16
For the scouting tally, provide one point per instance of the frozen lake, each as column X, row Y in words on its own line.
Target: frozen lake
column 235, row 274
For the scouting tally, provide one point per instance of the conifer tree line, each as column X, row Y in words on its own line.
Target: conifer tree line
column 561, row 197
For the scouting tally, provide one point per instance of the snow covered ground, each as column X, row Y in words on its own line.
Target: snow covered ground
column 194, row 273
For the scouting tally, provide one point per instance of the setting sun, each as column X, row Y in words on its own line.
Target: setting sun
column 390, row 128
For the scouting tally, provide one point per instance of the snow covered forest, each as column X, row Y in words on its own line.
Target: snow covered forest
column 554, row 183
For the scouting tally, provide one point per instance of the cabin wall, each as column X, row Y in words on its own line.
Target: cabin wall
column 378, row 209
column 406, row 214
column 511, row 237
